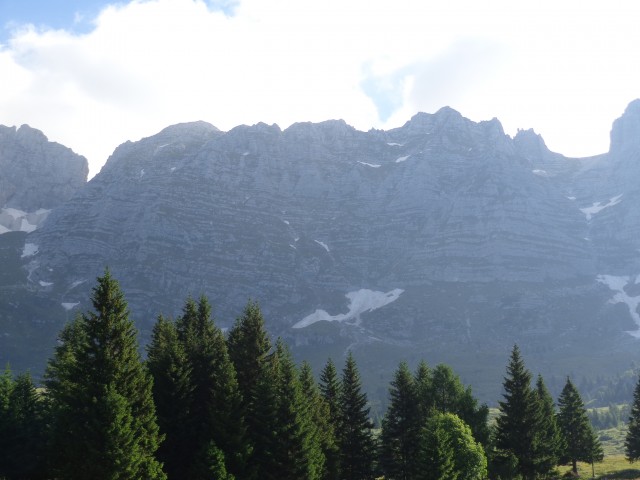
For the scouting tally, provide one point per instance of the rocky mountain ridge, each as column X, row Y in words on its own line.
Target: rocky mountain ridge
column 444, row 239
column 35, row 176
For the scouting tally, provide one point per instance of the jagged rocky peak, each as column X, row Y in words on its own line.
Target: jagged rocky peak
column 625, row 133
column 36, row 173
column 530, row 143
column 422, row 123
column 454, row 129
column 194, row 130
column 330, row 132
column 164, row 149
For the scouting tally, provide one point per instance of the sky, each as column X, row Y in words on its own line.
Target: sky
column 93, row 74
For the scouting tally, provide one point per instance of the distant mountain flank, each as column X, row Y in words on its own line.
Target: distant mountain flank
column 444, row 239
column 35, row 176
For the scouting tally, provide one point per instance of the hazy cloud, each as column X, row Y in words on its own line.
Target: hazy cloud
column 565, row 69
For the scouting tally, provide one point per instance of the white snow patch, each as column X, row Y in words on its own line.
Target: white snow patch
column 402, row 159
column 293, row 246
column 45, row 284
column 372, row 165
column 322, row 244
column 29, row 250
column 14, row 220
column 142, row 173
column 360, row 301
column 245, row 154
column 68, row 305
column 540, row 173
column 597, row 207
column 76, row 283
column 392, row 144
column 617, row 284
column 571, row 198
column 173, row 169
column 286, row 222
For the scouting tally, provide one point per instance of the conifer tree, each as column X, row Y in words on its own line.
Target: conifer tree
column 197, row 395
column 317, row 411
column 401, row 427
column 330, row 392
column 551, row 442
column 355, row 440
column 257, row 374
column 450, row 396
column 22, row 428
column 518, row 425
column 26, row 411
column 215, row 414
column 249, row 347
column 102, row 411
column 441, row 390
column 172, row 391
column 261, row 419
column 6, row 425
column 298, row 449
column 424, row 392
column 632, row 440
column 6, row 385
column 580, row 441
column 330, row 389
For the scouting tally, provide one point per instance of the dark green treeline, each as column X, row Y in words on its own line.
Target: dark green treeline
column 206, row 406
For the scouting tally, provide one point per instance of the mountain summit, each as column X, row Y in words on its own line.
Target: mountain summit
column 444, row 239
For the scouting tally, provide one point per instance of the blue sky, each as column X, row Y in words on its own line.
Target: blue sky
column 92, row 75
column 72, row 15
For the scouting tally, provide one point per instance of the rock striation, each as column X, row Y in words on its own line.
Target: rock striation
column 36, row 173
column 444, row 239
column 35, row 176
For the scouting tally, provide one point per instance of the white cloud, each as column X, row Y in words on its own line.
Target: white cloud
column 566, row 69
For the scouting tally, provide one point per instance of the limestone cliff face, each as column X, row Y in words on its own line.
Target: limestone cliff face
column 35, row 173
column 35, row 176
column 291, row 216
column 443, row 238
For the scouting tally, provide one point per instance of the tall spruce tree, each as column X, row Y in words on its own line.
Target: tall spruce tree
column 401, row 428
column 517, row 432
column 215, row 414
column 262, row 419
column 257, row 373
column 632, row 440
column 6, row 424
column 551, row 444
column 27, row 415
column 355, row 439
column 102, row 411
column 580, row 441
column 22, row 429
column 450, row 396
column 318, row 414
column 330, row 391
column 172, row 392
column 424, row 392
column 298, row 450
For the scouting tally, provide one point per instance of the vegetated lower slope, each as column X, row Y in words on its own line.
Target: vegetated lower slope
column 444, row 239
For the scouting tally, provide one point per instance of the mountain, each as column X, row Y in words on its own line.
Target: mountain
column 444, row 239
column 36, row 176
